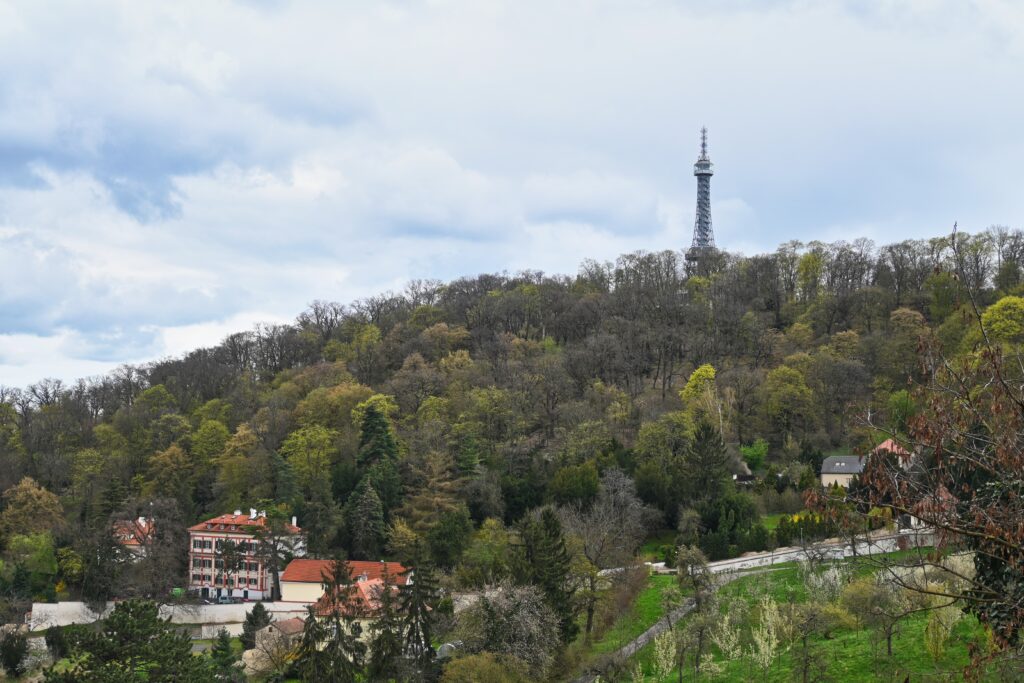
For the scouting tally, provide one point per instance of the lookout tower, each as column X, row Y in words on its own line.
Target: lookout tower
column 703, row 235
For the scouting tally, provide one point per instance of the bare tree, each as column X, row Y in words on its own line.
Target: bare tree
column 609, row 531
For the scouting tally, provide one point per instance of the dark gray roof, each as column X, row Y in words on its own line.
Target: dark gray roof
column 843, row 464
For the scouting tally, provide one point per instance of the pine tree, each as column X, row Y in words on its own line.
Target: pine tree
column 330, row 650
column 365, row 521
column 707, row 463
column 386, row 637
column 376, row 441
column 225, row 661
column 546, row 565
column 255, row 619
column 384, row 478
column 417, row 601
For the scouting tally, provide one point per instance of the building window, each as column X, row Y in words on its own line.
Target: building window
column 197, row 577
column 253, row 582
column 196, row 545
column 196, row 564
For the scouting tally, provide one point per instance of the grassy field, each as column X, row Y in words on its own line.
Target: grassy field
column 647, row 609
column 849, row 654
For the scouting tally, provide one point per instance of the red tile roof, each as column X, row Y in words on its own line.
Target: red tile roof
column 238, row 523
column 363, row 600
column 312, row 571
column 133, row 532
column 890, row 446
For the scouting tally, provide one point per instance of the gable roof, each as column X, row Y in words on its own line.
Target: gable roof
column 890, row 446
column 239, row 523
column 312, row 571
column 843, row 464
column 362, row 600
column 289, row 627
column 133, row 532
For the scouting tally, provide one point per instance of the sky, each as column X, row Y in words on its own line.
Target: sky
column 174, row 172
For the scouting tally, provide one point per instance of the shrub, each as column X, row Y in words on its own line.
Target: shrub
column 754, row 454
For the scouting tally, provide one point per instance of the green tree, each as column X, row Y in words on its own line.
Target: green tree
column 29, row 508
column 546, row 564
column 575, row 484
column 1004, row 320
column 365, row 520
column 256, row 619
column 134, row 644
column 376, row 440
column 13, row 652
column 417, row 603
column 308, row 450
column 450, row 536
column 226, row 665
column 707, row 464
column 385, row 643
column 754, row 454
column 788, row 402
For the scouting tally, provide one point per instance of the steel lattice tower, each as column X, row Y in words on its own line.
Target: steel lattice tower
column 703, row 235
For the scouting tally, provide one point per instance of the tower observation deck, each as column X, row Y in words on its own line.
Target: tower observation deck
column 703, row 235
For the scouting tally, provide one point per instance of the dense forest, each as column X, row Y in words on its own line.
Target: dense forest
column 440, row 418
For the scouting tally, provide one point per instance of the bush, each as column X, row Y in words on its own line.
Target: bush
column 13, row 651
column 754, row 454
column 484, row 668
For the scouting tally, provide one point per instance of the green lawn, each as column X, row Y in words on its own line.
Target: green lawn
column 850, row 654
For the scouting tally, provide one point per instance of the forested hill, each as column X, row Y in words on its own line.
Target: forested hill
column 491, row 395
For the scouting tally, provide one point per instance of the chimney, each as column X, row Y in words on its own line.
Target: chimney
column 263, row 513
column 295, row 521
column 252, row 513
column 142, row 521
column 238, row 513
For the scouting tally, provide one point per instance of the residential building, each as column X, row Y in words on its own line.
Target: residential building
column 302, row 579
column 134, row 535
column 280, row 635
column 249, row 578
column 841, row 469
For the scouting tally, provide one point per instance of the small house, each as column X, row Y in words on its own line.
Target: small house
column 841, row 469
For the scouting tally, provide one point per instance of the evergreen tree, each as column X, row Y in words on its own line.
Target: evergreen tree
column 255, row 619
column 384, row 478
column 134, row 644
column 331, row 650
column 376, row 441
column 707, row 464
column 546, row 565
column 417, row 601
column 365, row 521
column 225, row 662
column 386, row 637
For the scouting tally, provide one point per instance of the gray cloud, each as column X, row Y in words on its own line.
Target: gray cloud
column 168, row 171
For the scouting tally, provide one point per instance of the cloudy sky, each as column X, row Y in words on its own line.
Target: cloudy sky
column 174, row 171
